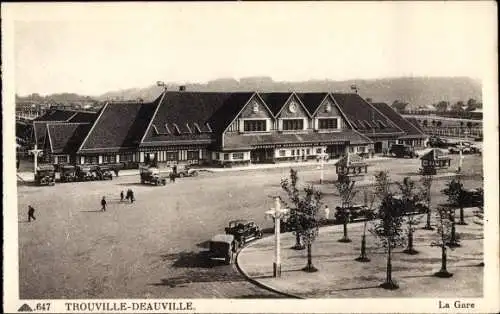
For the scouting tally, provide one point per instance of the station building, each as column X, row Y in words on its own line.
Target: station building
column 227, row 128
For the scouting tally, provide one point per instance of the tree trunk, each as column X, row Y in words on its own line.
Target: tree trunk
column 428, row 223
column 345, row 238
column 443, row 272
column 453, row 238
column 363, row 257
column 462, row 220
column 388, row 275
column 309, row 267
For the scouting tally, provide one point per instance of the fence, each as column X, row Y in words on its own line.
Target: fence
column 455, row 132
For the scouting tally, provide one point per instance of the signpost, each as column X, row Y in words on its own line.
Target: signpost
column 35, row 151
column 277, row 213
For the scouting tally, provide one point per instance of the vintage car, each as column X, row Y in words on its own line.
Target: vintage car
column 151, row 176
column 414, row 206
column 243, row 231
column 68, row 173
column 437, row 142
column 402, row 151
column 103, row 173
column 355, row 213
column 223, row 246
column 184, row 171
column 465, row 147
column 45, row 175
column 85, row 173
column 473, row 197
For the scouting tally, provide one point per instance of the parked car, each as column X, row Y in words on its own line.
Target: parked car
column 414, row 206
column 473, row 197
column 465, row 147
column 68, row 173
column 186, row 171
column 45, row 175
column 243, row 231
column 151, row 176
column 437, row 142
column 355, row 213
column 103, row 173
column 222, row 246
column 84, row 173
column 402, row 151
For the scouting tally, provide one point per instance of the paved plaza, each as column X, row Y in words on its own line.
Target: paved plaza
column 156, row 247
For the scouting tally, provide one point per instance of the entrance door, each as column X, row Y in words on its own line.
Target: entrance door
column 378, row 147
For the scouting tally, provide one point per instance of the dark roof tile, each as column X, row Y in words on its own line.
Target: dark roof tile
column 311, row 100
column 401, row 122
column 275, row 101
column 66, row 137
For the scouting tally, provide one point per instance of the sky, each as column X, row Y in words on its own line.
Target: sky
column 92, row 49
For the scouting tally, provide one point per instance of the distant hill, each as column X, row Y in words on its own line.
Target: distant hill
column 417, row 91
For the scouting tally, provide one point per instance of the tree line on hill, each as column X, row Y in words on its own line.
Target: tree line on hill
column 443, row 106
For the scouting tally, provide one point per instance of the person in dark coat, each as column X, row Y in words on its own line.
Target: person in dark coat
column 121, row 196
column 103, row 204
column 132, row 199
column 31, row 213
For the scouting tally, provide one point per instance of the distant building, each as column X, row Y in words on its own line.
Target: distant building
column 223, row 129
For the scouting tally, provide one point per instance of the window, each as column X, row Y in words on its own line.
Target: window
column 361, row 149
column 91, row 159
column 293, row 124
column 126, row 157
column 325, row 124
column 282, row 153
column 226, row 156
column 238, row 155
column 308, row 151
column 62, row 159
column 255, row 125
column 318, row 150
column 108, row 158
column 217, row 156
column 172, row 156
column 351, row 149
column 193, row 155
column 293, row 152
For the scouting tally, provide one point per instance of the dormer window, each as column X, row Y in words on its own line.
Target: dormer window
column 189, row 129
column 327, row 124
column 208, row 127
column 382, row 124
column 197, row 127
column 255, row 107
column 255, row 125
column 166, row 128
column 176, row 128
column 155, row 130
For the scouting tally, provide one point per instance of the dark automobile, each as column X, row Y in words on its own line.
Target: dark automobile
column 222, row 246
column 84, row 173
column 103, row 173
column 186, row 171
column 413, row 207
column 473, row 197
column 45, row 175
column 243, row 231
column 402, row 151
column 465, row 147
column 68, row 173
column 354, row 213
column 437, row 142
column 151, row 176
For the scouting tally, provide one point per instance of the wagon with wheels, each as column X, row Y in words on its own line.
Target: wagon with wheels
column 45, row 175
column 223, row 246
column 151, row 176
column 68, row 173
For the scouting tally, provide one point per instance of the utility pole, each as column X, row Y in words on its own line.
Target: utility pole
column 277, row 213
column 35, row 151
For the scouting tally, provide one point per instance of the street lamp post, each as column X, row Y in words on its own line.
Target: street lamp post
column 277, row 213
column 35, row 151
column 322, row 164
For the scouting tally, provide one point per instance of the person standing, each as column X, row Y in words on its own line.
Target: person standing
column 327, row 212
column 121, row 196
column 103, row 204
column 31, row 213
column 132, row 199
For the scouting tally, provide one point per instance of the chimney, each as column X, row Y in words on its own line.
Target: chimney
column 182, row 88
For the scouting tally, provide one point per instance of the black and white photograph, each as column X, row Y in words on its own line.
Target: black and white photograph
column 234, row 157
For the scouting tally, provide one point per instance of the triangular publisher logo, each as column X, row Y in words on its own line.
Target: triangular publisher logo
column 25, row 308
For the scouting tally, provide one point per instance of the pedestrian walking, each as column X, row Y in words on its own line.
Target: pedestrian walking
column 31, row 213
column 327, row 212
column 103, row 204
column 121, row 196
column 132, row 199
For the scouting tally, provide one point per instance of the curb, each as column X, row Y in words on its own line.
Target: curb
column 258, row 283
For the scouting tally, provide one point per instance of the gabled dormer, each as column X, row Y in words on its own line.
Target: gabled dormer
column 293, row 116
column 328, row 117
column 255, row 117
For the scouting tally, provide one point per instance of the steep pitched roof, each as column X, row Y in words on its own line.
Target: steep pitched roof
column 56, row 115
column 66, row 137
column 311, row 100
column 120, row 125
column 83, row 117
column 275, row 101
column 39, row 132
column 415, row 123
column 402, row 123
column 194, row 116
column 367, row 119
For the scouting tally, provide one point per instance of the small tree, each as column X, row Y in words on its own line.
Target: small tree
column 409, row 198
column 307, row 209
column 388, row 227
column 456, row 196
column 426, row 196
column 368, row 201
column 347, row 193
column 290, row 187
column 444, row 228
